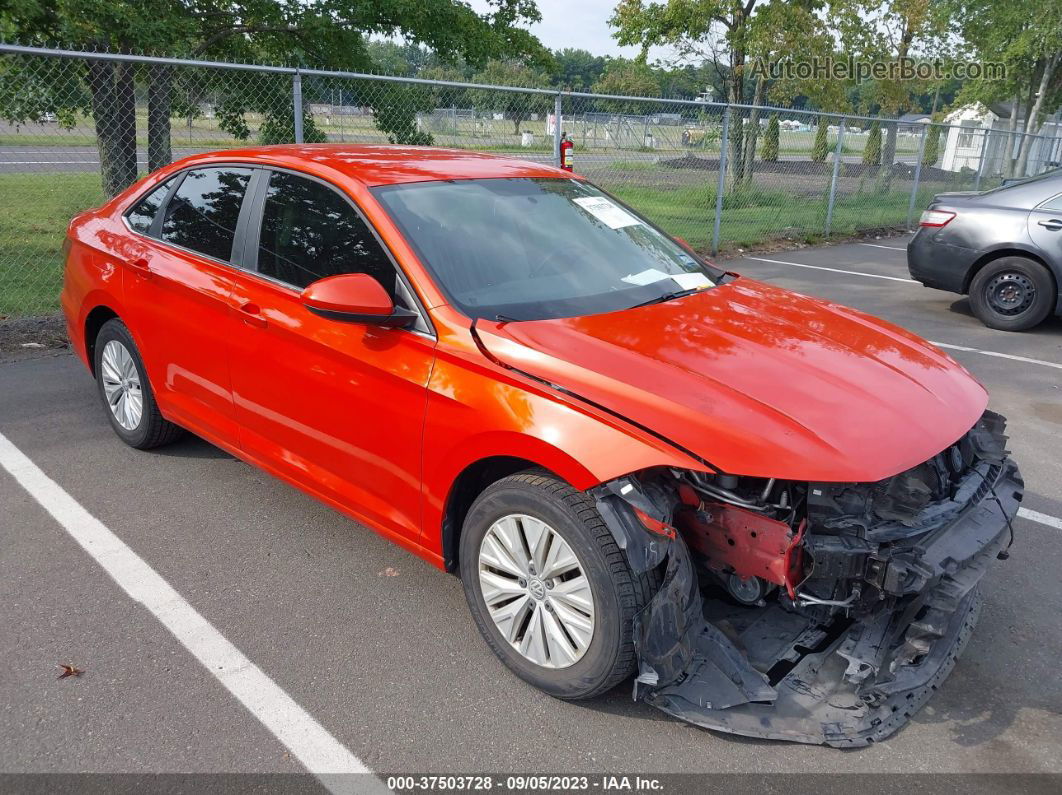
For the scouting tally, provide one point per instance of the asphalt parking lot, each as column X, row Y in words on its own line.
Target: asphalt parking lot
column 378, row 647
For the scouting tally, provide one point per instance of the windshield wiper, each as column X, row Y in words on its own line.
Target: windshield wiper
column 669, row 296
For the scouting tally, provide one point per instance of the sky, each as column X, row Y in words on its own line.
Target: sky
column 580, row 24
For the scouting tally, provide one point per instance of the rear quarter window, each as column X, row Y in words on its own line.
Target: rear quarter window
column 1054, row 203
column 143, row 213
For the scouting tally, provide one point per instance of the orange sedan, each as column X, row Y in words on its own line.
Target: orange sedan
column 773, row 510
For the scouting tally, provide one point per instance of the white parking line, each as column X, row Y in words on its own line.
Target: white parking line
column 832, row 270
column 890, row 248
column 1042, row 518
column 998, row 355
column 322, row 754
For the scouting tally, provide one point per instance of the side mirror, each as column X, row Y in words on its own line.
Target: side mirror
column 355, row 298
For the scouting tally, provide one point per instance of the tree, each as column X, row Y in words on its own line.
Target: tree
column 330, row 34
column 1026, row 39
column 821, row 147
column 795, row 32
column 517, row 106
column 399, row 59
column 696, row 29
column 932, row 149
column 576, row 70
column 685, row 81
column 728, row 33
column 629, row 78
column 872, row 148
column 891, row 31
column 770, row 140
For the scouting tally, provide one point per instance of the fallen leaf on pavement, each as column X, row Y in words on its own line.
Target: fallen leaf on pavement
column 69, row 670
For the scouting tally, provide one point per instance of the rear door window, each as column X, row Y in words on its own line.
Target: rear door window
column 203, row 212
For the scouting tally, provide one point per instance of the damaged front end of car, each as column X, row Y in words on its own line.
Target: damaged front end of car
column 814, row 612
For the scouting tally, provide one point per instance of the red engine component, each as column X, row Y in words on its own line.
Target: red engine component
column 745, row 543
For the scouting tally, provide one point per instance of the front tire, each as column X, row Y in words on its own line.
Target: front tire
column 548, row 588
column 126, row 392
column 1012, row 294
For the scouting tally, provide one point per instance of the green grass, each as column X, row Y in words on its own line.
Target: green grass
column 633, row 165
column 753, row 216
column 35, row 210
column 180, row 139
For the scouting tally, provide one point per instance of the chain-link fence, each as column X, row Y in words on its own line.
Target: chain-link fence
column 78, row 127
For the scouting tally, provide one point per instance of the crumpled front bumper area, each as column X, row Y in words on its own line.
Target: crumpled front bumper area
column 789, row 674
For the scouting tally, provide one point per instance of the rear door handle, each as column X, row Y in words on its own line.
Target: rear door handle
column 1054, row 224
column 252, row 315
column 141, row 267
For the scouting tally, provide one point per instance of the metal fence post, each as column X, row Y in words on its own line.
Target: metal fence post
column 296, row 102
column 721, row 186
column 917, row 176
column 557, row 130
column 984, row 156
column 837, row 155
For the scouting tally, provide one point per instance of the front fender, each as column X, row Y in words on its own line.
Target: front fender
column 483, row 411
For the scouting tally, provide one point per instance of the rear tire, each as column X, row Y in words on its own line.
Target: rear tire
column 126, row 392
column 553, row 665
column 1012, row 294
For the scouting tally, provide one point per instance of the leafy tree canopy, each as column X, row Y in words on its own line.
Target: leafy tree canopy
column 331, row 34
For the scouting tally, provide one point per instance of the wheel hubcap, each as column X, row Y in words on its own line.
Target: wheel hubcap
column 1010, row 293
column 536, row 591
column 121, row 385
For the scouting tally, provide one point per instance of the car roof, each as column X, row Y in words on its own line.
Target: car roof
column 384, row 165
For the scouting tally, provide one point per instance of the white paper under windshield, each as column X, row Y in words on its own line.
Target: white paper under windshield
column 606, row 212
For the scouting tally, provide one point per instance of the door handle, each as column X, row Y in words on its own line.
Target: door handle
column 1054, row 224
column 252, row 315
column 141, row 267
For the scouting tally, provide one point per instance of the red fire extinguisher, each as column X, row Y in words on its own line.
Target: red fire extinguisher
column 566, row 148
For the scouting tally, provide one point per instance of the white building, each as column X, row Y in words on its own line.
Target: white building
column 982, row 132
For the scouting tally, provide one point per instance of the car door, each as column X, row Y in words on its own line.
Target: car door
column 1045, row 229
column 177, row 294
column 337, row 407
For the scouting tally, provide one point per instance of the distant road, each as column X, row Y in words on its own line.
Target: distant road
column 82, row 159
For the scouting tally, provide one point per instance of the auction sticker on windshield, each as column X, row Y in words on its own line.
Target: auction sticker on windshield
column 605, row 211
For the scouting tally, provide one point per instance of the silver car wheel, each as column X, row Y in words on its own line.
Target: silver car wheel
column 121, row 385
column 536, row 591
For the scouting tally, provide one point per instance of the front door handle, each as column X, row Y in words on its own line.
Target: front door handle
column 252, row 315
column 1054, row 224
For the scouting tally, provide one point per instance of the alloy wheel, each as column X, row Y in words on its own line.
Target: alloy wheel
column 121, row 385
column 536, row 591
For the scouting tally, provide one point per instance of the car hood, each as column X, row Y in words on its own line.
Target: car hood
column 758, row 381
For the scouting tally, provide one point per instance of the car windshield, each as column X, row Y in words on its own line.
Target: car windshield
column 529, row 249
